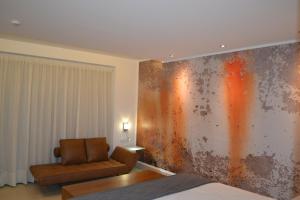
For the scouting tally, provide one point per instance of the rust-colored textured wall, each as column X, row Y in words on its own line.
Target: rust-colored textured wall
column 234, row 118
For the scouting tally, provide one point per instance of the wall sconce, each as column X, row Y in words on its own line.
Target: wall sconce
column 125, row 126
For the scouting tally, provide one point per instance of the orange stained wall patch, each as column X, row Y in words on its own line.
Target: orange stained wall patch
column 165, row 119
column 238, row 96
column 179, row 118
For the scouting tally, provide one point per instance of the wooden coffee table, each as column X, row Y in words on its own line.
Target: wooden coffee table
column 84, row 188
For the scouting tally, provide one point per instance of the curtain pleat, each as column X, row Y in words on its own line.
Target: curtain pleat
column 43, row 101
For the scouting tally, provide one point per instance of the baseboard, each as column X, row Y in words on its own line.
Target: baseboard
column 153, row 168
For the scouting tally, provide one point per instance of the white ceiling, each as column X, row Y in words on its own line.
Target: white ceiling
column 145, row 29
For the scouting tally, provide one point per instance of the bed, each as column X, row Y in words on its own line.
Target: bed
column 176, row 187
column 215, row 191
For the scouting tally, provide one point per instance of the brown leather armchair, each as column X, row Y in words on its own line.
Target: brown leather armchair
column 120, row 162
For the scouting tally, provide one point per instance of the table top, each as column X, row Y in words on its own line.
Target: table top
column 104, row 184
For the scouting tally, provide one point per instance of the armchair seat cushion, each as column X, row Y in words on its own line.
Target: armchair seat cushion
column 49, row 174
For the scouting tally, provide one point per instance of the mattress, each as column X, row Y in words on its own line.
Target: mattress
column 214, row 191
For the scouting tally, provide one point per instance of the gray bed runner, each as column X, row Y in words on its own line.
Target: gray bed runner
column 149, row 189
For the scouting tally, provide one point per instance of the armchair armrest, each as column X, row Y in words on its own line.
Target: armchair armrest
column 56, row 152
column 124, row 156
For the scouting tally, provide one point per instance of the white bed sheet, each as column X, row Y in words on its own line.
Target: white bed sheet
column 215, row 191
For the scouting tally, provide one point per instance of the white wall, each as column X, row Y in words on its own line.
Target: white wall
column 125, row 83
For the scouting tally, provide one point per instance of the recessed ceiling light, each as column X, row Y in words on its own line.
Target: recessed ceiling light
column 15, row 22
column 222, row 45
column 171, row 56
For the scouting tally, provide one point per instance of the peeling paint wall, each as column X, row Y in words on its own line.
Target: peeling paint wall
column 234, row 118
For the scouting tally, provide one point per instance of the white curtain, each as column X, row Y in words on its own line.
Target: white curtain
column 44, row 100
